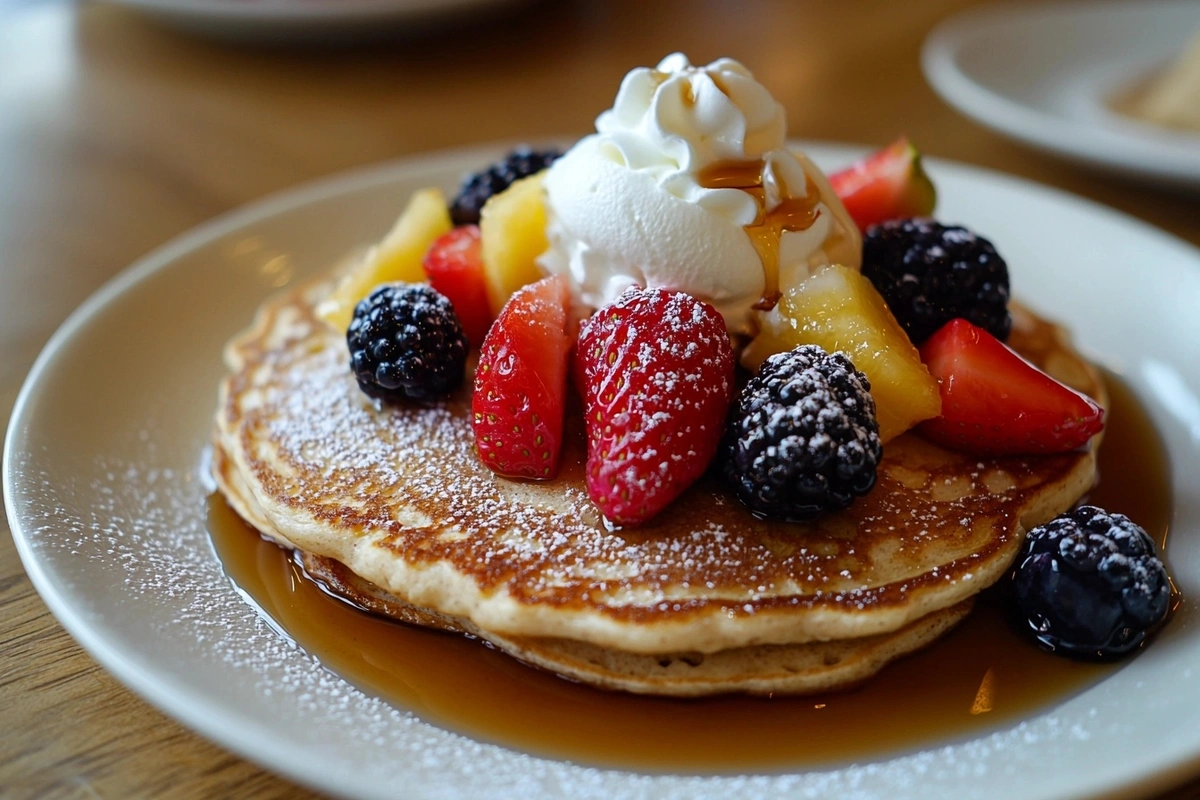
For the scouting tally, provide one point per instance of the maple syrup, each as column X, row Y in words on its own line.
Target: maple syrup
column 793, row 213
column 979, row 677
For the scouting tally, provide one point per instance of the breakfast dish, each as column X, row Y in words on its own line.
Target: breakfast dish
column 668, row 532
column 114, row 529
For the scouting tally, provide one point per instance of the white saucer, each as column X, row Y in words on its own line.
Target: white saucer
column 308, row 20
column 103, row 477
column 1046, row 75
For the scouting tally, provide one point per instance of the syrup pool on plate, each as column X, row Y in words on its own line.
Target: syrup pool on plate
column 979, row 677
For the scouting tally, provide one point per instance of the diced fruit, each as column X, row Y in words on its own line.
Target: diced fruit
column 802, row 438
column 888, row 184
column 655, row 369
column 513, row 228
column 396, row 258
column 521, row 383
column 930, row 273
column 478, row 188
column 406, row 344
column 994, row 402
column 838, row 309
column 454, row 267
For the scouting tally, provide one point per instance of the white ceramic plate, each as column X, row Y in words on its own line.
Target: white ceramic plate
column 1045, row 74
column 102, row 470
column 307, row 20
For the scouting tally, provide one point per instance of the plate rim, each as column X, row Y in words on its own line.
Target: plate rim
column 179, row 702
column 170, row 697
column 1115, row 150
column 338, row 11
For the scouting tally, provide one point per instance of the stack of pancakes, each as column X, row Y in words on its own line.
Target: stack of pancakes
column 392, row 509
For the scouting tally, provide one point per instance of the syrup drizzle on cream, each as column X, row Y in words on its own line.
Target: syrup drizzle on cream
column 792, row 213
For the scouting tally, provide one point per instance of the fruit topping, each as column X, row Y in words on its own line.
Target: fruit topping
column 454, row 267
column 931, row 273
column 521, row 383
column 888, row 184
column 995, row 403
column 406, row 344
column 655, row 369
column 478, row 188
column 1088, row 584
column 513, row 230
column 803, row 437
column 397, row 258
column 838, row 309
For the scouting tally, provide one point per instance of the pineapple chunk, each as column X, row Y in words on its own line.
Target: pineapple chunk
column 397, row 258
column 838, row 309
column 512, row 229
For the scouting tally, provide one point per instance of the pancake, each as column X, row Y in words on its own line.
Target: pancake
column 758, row 669
column 397, row 496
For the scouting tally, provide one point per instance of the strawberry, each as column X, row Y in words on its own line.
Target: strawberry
column 521, row 383
column 888, row 184
column 655, row 369
column 996, row 403
column 454, row 267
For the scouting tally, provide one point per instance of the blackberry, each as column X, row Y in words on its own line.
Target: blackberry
column 1088, row 584
column 477, row 188
column 803, row 437
column 930, row 273
column 406, row 343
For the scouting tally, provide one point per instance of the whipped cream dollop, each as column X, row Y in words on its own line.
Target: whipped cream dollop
column 687, row 184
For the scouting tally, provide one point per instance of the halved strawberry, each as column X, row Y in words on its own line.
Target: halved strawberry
column 888, row 184
column 454, row 267
column 996, row 403
column 521, row 383
column 655, row 369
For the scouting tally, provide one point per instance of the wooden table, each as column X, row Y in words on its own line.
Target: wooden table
column 116, row 134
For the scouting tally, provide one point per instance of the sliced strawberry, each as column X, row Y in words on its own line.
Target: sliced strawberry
column 655, row 369
column 888, row 184
column 454, row 267
column 521, row 383
column 996, row 403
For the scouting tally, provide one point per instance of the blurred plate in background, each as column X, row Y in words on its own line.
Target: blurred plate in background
column 308, row 20
column 1048, row 75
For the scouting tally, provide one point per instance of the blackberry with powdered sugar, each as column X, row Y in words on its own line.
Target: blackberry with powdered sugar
column 1089, row 584
column 406, row 343
column 930, row 273
column 803, row 437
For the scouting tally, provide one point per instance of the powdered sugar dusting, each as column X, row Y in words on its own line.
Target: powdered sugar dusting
column 55, row 510
column 129, row 536
column 384, row 485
